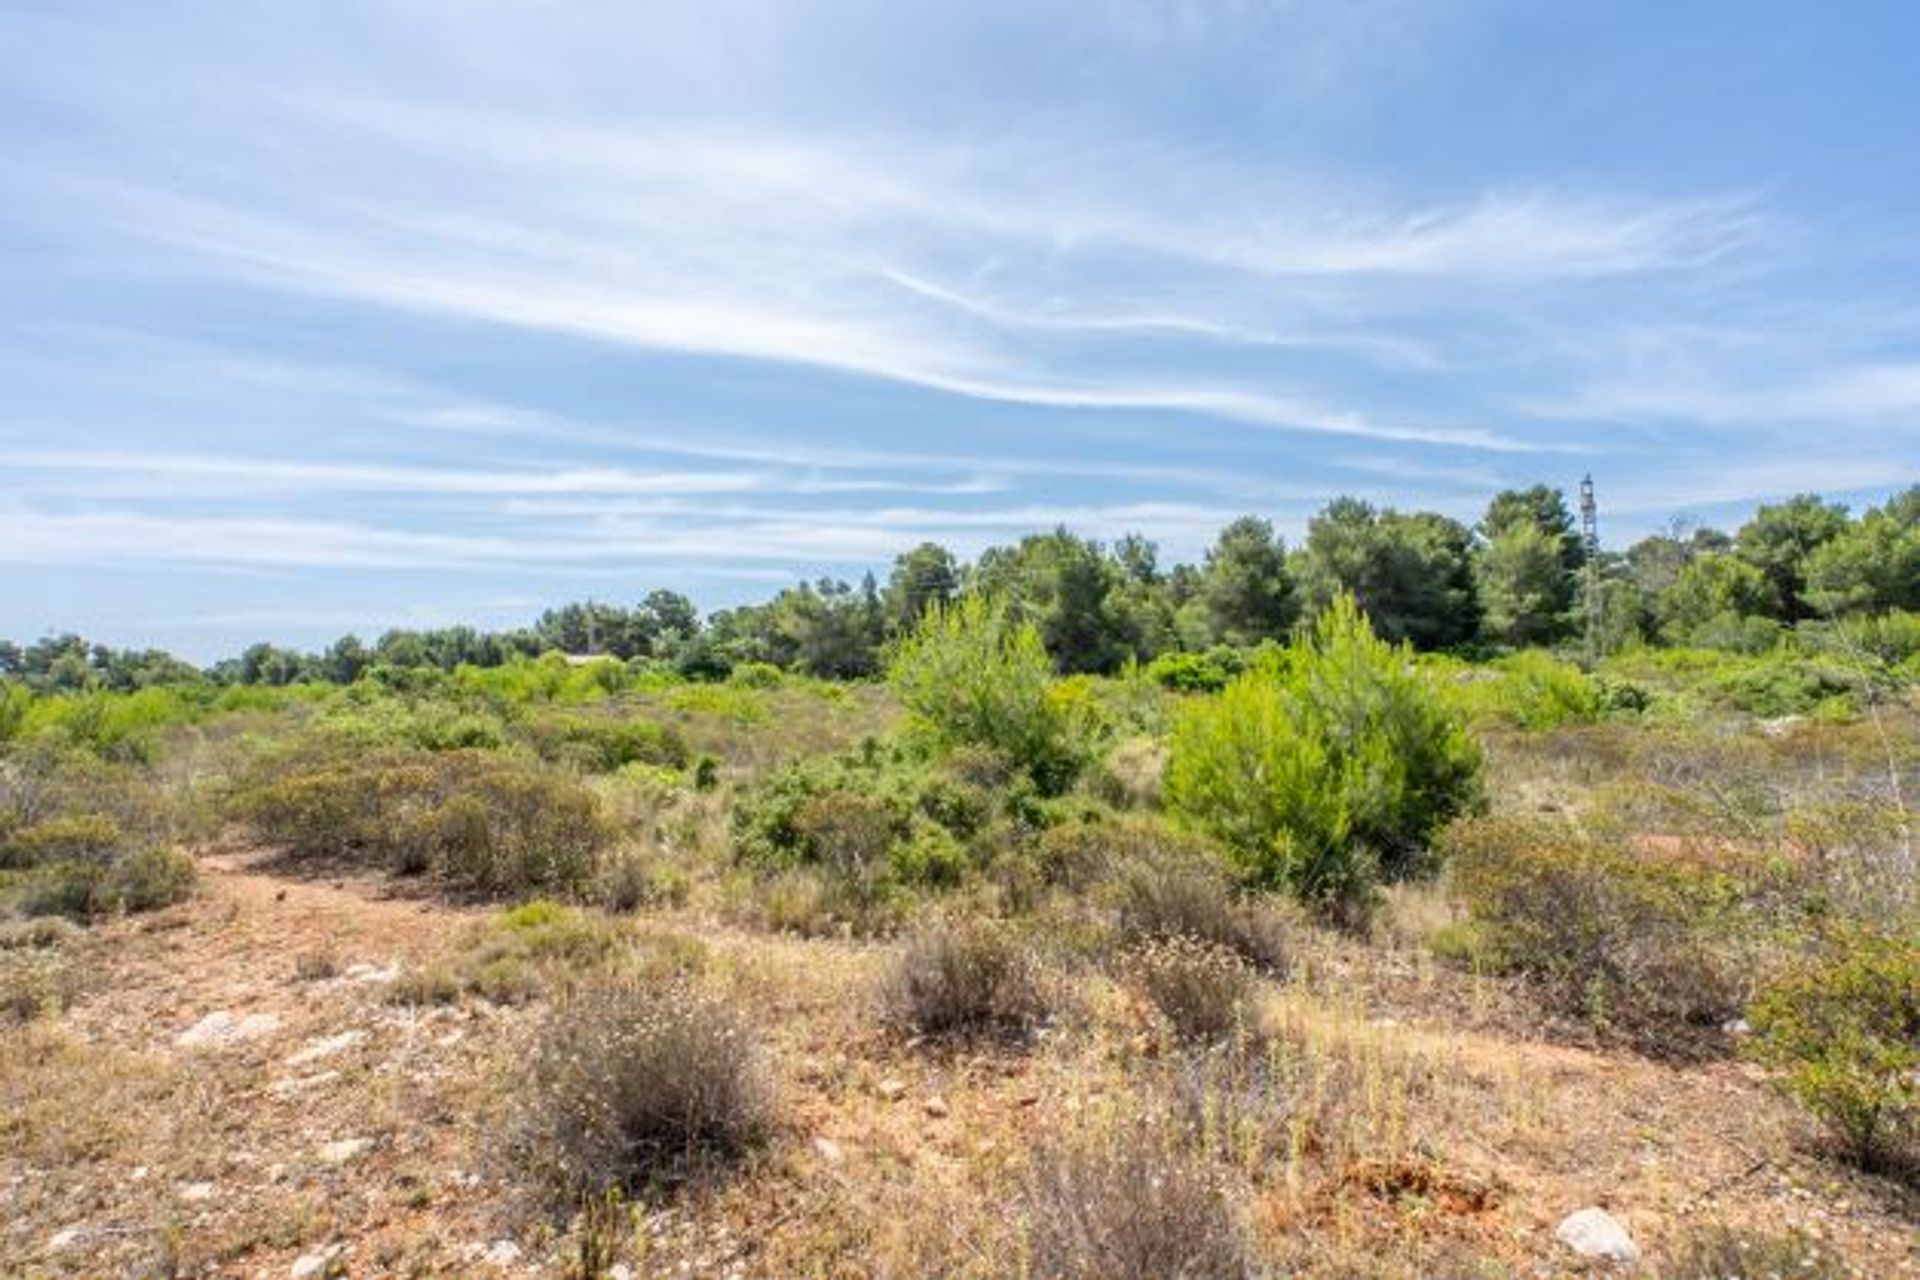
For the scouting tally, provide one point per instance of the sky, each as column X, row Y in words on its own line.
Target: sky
column 334, row 317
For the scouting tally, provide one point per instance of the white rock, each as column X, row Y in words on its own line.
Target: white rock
column 197, row 1191
column 345, row 1151
column 223, row 1027
column 309, row 1265
column 65, row 1238
column 828, row 1150
column 326, row 1047
column 364, row 972
column 301, row 1084
column 620, row 1271
column 503, row 1253
column 1595, row 1233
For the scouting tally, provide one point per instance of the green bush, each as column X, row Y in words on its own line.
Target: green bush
column 1329, row 774
column 1844, row 1032
column 1207, row 672
column 84, row 836
column 602, row 745
column 971, row 676
column 129, row 881
column 1529, row 690
column 1640, row 946
column 482, row 821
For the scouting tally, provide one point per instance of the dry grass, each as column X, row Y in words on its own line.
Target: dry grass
column 1371, row 1112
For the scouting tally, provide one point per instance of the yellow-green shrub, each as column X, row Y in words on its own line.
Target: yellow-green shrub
column 1844, row 1032
column 1638, row 945
column 487, row 822
column 1329, row 773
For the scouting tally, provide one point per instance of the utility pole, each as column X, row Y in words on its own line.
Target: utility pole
column 1590, row 541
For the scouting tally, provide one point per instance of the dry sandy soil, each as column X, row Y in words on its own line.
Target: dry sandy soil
column 318, row 1124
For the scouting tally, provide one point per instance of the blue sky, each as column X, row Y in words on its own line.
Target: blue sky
column 342, row 316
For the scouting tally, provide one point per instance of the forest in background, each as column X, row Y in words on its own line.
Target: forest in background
column 1516, row 579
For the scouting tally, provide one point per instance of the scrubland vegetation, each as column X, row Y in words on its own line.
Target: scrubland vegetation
column 1348, row 928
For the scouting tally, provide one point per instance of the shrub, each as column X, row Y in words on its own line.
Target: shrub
column 1531, row 690
column 757, row 675
column 1165, row 900
column 142, row 880
column 1635, row 944
column 150, row 879
column 1207, row 672
column 1723, row 1253
column 90, row 837
column 598, row 745
column 483, row 822
column 1844, row 1031
column 1202, row 990
column 971, row 676
column 1131, row 1204
column 1325, row 776
column 971, row 978
column 34, row 982
column 628, row 1084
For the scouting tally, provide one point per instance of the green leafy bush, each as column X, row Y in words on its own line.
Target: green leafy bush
column 1325, row 776
column 1529, row 690
column 601, row 745
column 971, row 676
column 85, row 836
column 1844, row 1031
column 482, row 821
column 142, row 879
column 1207, row 672
column 1638, row 945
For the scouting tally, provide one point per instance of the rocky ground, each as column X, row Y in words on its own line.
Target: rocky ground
column 235, row 1092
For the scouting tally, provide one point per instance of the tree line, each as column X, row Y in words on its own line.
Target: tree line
column 1514, row 579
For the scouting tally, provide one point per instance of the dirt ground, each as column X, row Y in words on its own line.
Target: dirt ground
column 233, row 1092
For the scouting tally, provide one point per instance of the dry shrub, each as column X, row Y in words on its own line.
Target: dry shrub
column 1161, row 900
column 542, row 946
column 482, row 821
column 1202, row 990
column 1132, row 1204
column 1647, row 948
column 35, row 981
column 1727, row 1253
column 629, row 1084
column 963, row 979
column 1301, row 1097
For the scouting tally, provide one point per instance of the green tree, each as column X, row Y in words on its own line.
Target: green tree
column 1528, row 566
column 1064, row 585
column 971, row 674
column 1412, row 575
column 1874, row 565
column 1328, row 773
column 1709, row 591
column 1781, row 540
column 1524, row 587
column 923, row 578
column 1245, row 587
